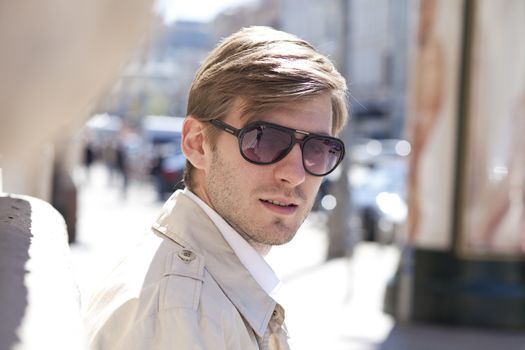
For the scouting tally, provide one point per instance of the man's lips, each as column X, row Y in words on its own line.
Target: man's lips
column 282, row 203
column 282, row 207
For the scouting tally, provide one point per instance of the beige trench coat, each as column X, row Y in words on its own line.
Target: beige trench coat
column 184, row 288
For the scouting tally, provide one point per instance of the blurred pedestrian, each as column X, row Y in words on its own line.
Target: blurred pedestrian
column 156, row 167
column 121, row 166
column 201, row 281
column 89, row 156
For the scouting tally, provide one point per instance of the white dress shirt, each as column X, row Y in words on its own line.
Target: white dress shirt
column 249, row 257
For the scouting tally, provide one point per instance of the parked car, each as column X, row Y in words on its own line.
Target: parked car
column 378, row 198
column 377, row 181
column 162, row 135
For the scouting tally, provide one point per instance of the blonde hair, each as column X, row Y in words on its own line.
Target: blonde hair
column 265, row 68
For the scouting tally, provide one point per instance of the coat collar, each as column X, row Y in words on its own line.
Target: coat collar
column 183, row 221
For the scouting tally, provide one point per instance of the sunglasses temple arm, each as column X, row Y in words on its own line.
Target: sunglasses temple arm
column 228, row 128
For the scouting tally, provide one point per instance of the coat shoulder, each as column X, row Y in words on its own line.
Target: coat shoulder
column 182, row 281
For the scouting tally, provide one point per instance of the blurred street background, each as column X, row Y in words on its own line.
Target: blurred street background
column 417, row 241
column 335, row 304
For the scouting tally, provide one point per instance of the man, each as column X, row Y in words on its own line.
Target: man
column 257, row 137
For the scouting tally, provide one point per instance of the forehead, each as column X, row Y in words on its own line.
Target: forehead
column 312, row 115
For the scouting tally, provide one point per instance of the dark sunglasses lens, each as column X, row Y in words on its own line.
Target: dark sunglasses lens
column 264, row 145
column 321, row 155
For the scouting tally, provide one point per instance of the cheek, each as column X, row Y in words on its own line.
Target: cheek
column 223, row 154
column 312, row 186
column 233, row 171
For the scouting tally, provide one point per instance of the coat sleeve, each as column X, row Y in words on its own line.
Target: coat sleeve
column 182, row 329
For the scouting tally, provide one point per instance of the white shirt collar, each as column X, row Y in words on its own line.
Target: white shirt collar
column 249, row 257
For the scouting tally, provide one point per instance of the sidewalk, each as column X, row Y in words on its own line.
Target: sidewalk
column 338, row 304
column 108, row 225
column 335, row 304
column 332, row 305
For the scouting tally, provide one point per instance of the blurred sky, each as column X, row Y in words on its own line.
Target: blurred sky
column 196, row 10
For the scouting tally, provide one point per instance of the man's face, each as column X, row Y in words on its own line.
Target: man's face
column 266, row 204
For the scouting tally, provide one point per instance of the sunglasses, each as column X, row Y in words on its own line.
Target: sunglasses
column 266, row 143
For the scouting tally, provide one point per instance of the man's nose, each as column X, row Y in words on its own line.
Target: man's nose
column 290, row 169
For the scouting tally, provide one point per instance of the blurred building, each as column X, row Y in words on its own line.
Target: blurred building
column 379, row 33
column 262, row 12
column 319, row 22
column 375, row 64
column 156, row 81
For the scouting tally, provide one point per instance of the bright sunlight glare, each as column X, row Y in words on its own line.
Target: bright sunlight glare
column 195, row 10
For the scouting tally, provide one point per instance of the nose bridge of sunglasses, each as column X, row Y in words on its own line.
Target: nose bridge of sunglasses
column 300, row 132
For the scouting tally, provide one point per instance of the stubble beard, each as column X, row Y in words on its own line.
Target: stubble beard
column 227, row 201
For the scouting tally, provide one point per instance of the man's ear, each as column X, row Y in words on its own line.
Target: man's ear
column 193, row 142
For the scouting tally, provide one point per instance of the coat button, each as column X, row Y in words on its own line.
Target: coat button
column 187, row 255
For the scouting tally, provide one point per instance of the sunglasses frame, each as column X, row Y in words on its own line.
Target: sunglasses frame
column 238, row 133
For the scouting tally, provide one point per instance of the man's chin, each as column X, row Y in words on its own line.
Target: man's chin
column 282, row 242
column 283, row 235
